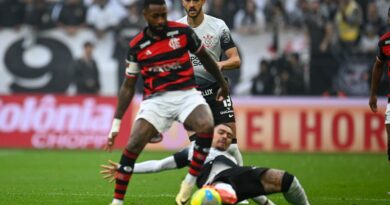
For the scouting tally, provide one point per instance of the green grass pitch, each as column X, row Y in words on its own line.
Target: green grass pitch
column 72, row 177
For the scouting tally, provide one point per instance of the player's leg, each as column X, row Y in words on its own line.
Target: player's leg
column 388, row 142
column 141, row 132
column 387, row 123
column 200, row 120
column 274, row 181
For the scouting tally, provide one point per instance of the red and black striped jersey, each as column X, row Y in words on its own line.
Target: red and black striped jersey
column 384, row 52
column 164, row 63
column 384, row 48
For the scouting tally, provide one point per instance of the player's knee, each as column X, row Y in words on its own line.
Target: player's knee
column 272, row 180
column 205, row 126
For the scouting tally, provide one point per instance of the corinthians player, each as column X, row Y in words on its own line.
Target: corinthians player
column 216, row 37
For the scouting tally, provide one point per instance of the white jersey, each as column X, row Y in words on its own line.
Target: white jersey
column 213, row 153
column 216, row 37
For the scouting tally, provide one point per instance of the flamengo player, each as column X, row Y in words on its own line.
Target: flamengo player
column 383, row 58
column 160, row 53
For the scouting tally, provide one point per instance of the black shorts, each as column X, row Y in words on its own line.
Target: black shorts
column 222, row 111
column 244, row 180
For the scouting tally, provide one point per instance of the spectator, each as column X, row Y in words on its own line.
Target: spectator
column 72, row 16
column 37, row 17
column 11, row 13
column 130, row 26
column 86, row 72
column 373, row 19
column 323, row 68
column 263, row 83
column 348, row 22
column 104, row 15
column 249, row 20
column 225, row 10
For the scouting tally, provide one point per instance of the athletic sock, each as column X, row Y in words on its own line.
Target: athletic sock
column 293, row 191
column 117, row 202
column 201, row 150
column 124, row 173
column 263, row 200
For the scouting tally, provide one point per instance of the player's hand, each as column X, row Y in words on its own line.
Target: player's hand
column 110, row 141
column 220, row 66
column 116, row 123
column 372, row 103
column 223, row 93
column 109, row 171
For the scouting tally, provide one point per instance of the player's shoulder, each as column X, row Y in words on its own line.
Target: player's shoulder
column 214, row 21
column 137, row 39
column 183, row 20
column 176, row 24
column 385, row 37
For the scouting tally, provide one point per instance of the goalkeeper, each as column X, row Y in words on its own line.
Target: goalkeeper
column 221, row 170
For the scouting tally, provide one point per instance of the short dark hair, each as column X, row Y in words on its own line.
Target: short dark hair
column 158, row 2
column 88, row 44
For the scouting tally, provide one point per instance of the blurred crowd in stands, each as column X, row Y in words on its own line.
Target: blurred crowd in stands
column 341, row 35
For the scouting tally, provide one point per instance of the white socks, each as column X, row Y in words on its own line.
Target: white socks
column 263, row 200
column 296, row 194
column 117, row 202
column 189, row 179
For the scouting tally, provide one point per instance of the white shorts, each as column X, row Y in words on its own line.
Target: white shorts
column 387, row 115
column 162, row 110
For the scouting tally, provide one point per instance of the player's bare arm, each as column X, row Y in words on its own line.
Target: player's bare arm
column 377, row 72
column 233, row 60
column 211, row 66
column 125, row 96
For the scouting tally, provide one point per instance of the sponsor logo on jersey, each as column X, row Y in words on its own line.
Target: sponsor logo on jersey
column 165, row 67
column 195, row 61
column 225, row 36
column 207, row 92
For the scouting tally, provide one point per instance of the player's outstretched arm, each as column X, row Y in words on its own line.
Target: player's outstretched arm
column 151, row 166
column 211, row 66
column 377, row 71
column 126, row 94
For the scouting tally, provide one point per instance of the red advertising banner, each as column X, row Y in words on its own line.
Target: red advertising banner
column 319, row 124
column 263, row 124
column 55, row 121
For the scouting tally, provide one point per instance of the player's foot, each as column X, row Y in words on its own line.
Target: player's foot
column 116, row 202
column 156, row 139
column 184, row 195
column 244, row 202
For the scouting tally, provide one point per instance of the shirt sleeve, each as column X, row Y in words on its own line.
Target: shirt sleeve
column 132, row 66
column 194, row 43
column 226, row 39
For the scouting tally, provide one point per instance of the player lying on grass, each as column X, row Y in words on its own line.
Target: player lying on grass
column 221, row 170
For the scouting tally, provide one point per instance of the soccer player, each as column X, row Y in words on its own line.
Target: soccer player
column 382, row 59
column 160, row 53
column 221, row 170
column 216, row 37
